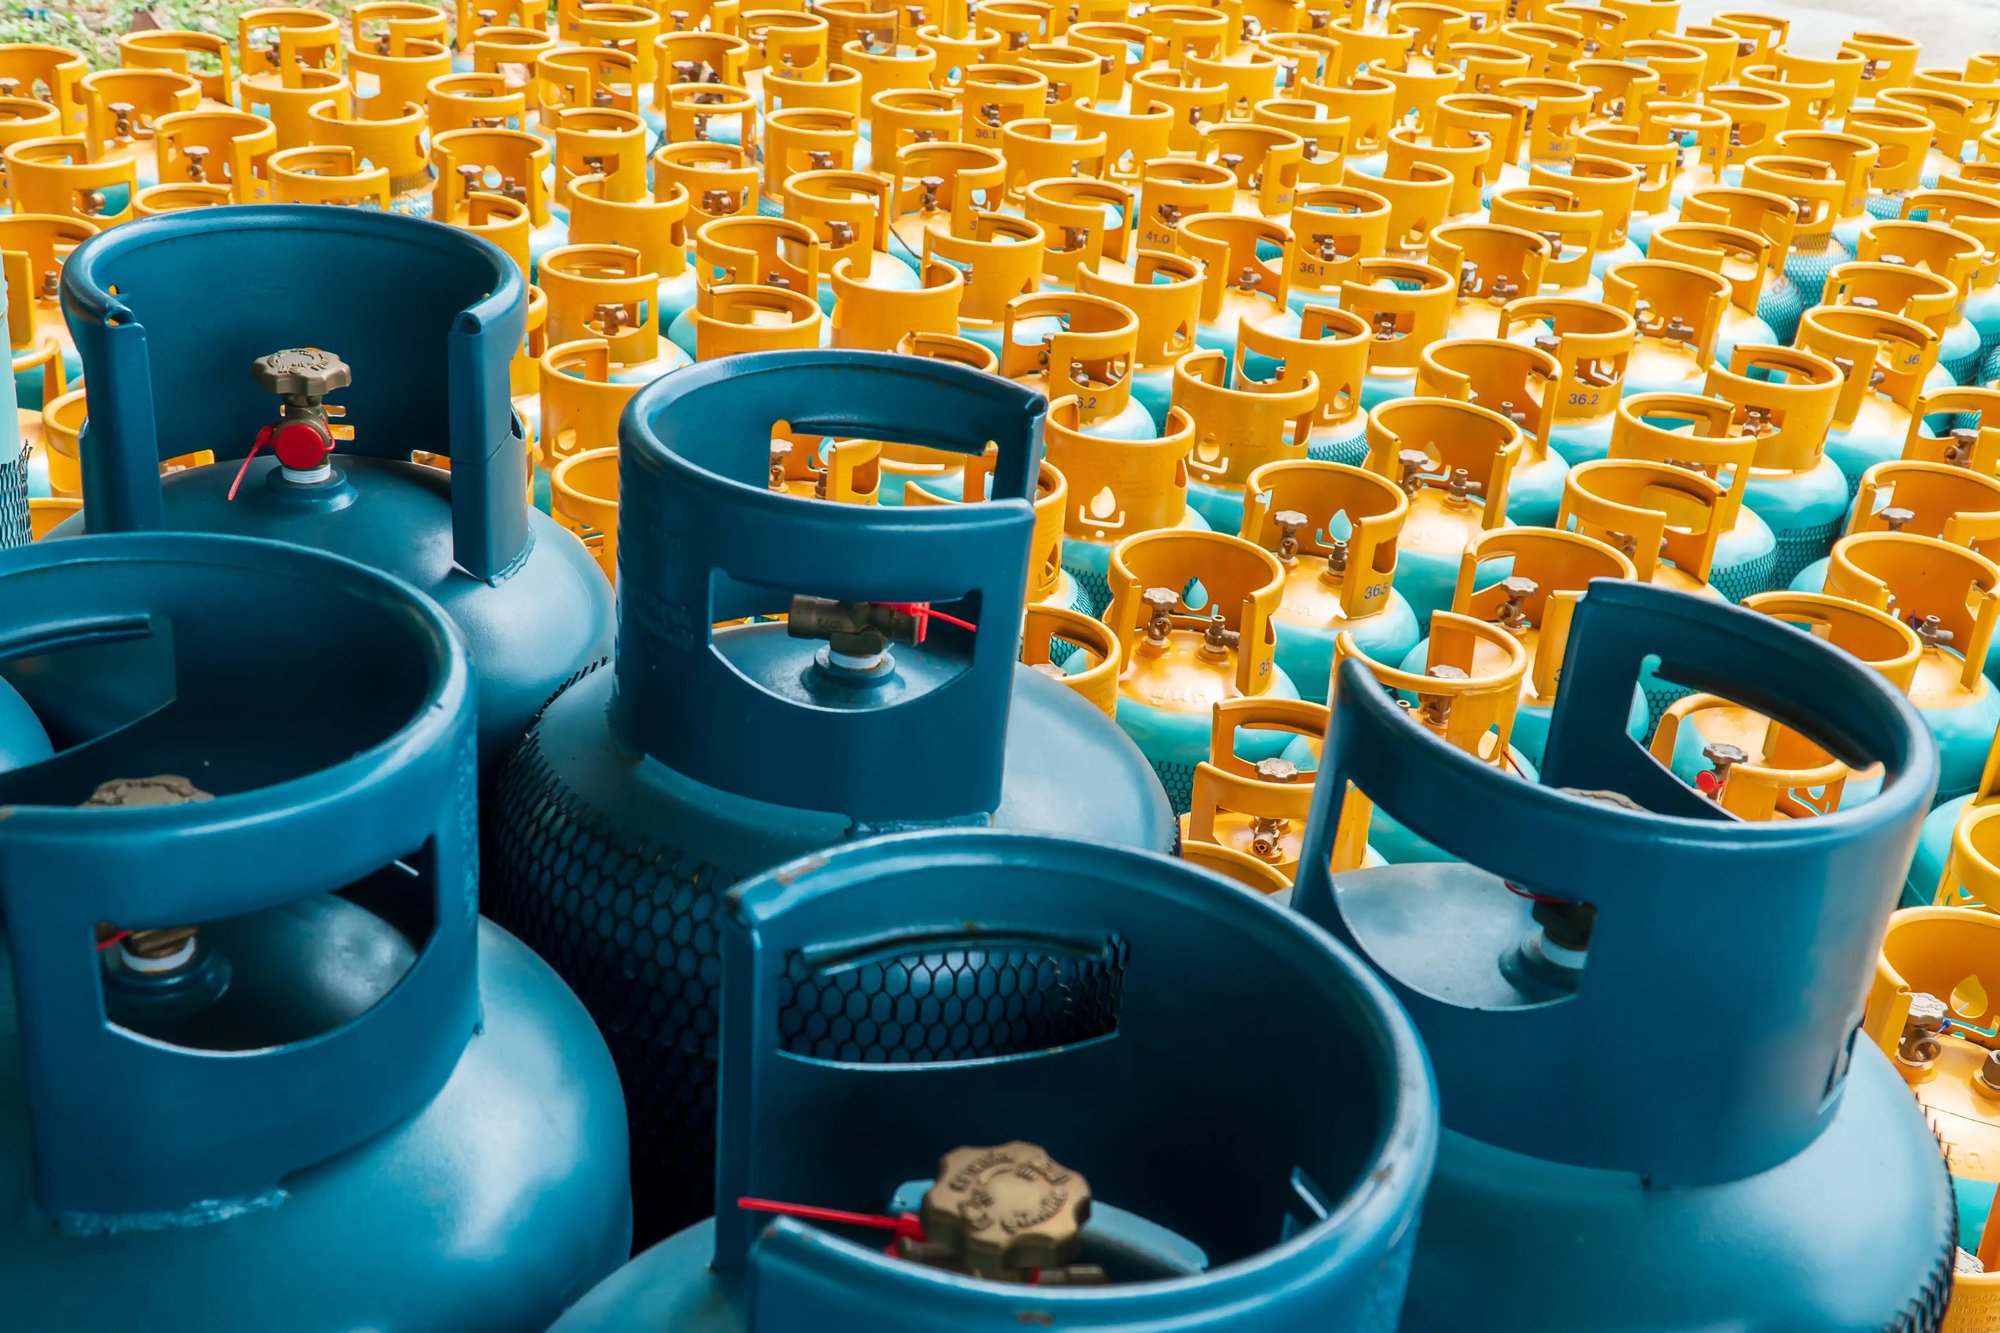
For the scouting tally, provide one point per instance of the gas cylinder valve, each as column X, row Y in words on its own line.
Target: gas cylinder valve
column 1415, row 464
column 1896, row 516
column 1160, row 604
column 780, row 451
column 1289, row 522
column 1986, row 1078
column 1502, row 290
column 163, row 949
column 301, row 437
column 1721, row 756
column 857, row 633
column 1919, row 1047
column 1217, row 638
column 1461, row 487
column 1435, row 709
column 1009, row 1213
column 1930, row 632
column 1959, row 452
column 1511, row 613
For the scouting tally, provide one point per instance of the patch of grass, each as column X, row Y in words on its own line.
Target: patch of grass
column 93, row 27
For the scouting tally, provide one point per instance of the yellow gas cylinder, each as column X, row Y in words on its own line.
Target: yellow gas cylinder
column 287, row 100
column 1116, row 488
column 1407, row 306
column 1938, row 251
column 1120, row 48
column 513, row 164
column 1902, row 139
column 1084, row 222
column 848, row 211
column 584, row 499
column 49, row 74
column 992, row 95
column 1946, row 593
column 594, row 141
column 1601, row 185
column 56, row 178
column 629, row 30
column 1163, row 291
column 1887, row 61
column 275, row 41
column 1330, row 346
column 222, row 147
column 1519, row 382
column 1067, row 343
column 1257, row 809
column 1368, row 105
column 1334, row 530
column 1322, row 136
column 845, row 471
column 1886, row 363
column 1334, row 227
column 1077, row 649
column 1369, row 41
column 1743, row 259
column 1240, row 424
column 1620, row 90
column 1037, row 149
column 1527, row 582
column 1593, row 345
column 872, row 317
column 654, row 225
column 1550, row 48
column 701, row 112
column 1663, row 518
column 731, row 320
column 1455, row 462
column 1678, row 310
column 1956, row 123
column 605, row 291
column 1646, row 160
column 205, row 56
column 572, row 77
column 1464, row 687
column 944, row 187
column 476, row 16
column 1001, row 258
column 121, row 109
column 391, row 71
column 1419, row 200
column 1263, row 165
column 1487, row 67
column 23, row 119
column 580, row 401
column 157, row 199
column 395, row 142
column 327, row 176
column 33, row 247
column 1192, row 611
column 1682, row 67
column 1930, row 1011
column 1821, row 197
column 750, row 250
column 684, row 56
column 1494, row 265
column 1764, row 214
column 1930, row 499
column 900, row 117
column 1715, row 745
column 1701, row 434
column 786, row 45
column 1973, row 443
column 510, row 52
column 1571, row 231
column 720, row 180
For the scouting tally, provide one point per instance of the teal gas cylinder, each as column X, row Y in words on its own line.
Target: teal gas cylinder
column 1887, row 362
column 45, row 358
column 1677, row 310
column 705, row 755
column 1117, row 488
column 1527, row 581
column 1929, row 1013
column 1972, row 208
column 297, row 1052
column 1701, row 435
column 1407, row 305
column 172, row 373
column 1592, row 344
column 1334, row 530
column 1785, row 399
column 1330, row 346
column 1920, row 886
column 1193, row 612
column 1930, row 499
column 1760, row 770
column 1696, row 1171
column 1950, row 596
column 1932, row 297
column 1303, row 1225
column 1246, row 274
column 1455, row 461
column 1241, row 422
column 1520, row 383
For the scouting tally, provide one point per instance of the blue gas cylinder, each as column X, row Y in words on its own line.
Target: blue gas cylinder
column 1334, row 529
column 172, row 372
column 1303, row 1226
column 708, row 754
column 296, row 1053
column 1697, row 1171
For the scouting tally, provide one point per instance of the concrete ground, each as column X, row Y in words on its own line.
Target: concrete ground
column 1949, row 29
